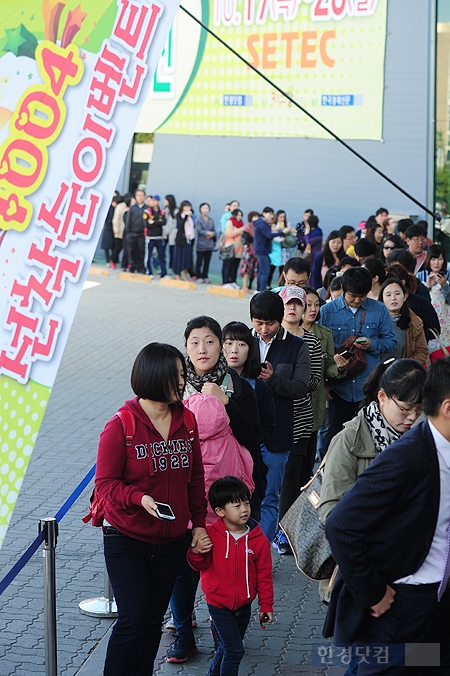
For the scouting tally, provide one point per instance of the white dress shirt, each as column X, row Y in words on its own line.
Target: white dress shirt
column 432, row 569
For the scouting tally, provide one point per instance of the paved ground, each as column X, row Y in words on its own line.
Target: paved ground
column 115, row 319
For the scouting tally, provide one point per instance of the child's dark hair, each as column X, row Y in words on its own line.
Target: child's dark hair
column 227, row 489
column 403, row 379
column 155, row 375
column 240, row 331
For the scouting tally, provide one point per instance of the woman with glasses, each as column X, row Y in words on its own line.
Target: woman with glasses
column 389, row 243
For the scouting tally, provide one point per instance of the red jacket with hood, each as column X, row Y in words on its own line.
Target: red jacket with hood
column 234, row 572
column 171, row 473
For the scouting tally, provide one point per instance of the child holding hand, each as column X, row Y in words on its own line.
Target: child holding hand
column 236, row 570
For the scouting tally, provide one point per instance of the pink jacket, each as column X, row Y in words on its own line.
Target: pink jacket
column 222, row 454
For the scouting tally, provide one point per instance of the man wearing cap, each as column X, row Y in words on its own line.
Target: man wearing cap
column 286, row 368
column 155, row 223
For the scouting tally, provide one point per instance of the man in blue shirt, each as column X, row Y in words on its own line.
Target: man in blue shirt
column 355, row 314
column 263, row 245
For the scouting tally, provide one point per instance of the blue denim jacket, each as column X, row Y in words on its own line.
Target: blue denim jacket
column 377, row 326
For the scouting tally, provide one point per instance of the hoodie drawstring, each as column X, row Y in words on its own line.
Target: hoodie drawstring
column 246, row 565
column 228, row 544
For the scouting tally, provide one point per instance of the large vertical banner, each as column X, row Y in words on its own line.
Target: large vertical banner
column 73, row 76
column 326, row 54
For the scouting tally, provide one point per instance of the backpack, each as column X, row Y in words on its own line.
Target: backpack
column 96, row 512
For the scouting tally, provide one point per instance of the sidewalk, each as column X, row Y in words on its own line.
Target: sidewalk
column 114, row 320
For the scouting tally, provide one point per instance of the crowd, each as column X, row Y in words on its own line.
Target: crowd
column 226, row 435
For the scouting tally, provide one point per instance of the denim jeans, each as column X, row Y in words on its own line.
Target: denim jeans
column 229, row 626
column 275, row 463
column 183, row 595
column 161, row 249
column 142, row 577
column 263, row 272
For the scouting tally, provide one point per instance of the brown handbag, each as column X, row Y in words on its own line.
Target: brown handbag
column 357, row 362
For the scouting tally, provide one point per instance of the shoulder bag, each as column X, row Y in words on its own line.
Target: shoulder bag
column 306, row 532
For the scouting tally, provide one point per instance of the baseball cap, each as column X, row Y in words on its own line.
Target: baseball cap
column 156, row 197
column 288, row 293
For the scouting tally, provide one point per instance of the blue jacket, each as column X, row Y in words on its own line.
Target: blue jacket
column 262, row 241
column 377, row 326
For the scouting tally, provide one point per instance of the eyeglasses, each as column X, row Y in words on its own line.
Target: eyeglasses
column 289, row 282
column 407, row 411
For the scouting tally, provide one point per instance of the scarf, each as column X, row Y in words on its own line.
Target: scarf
column 236, row 223
column 216, row 375
column 189, row 229
column 382, row 433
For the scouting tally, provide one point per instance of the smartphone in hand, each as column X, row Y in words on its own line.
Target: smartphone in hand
column 164, row 511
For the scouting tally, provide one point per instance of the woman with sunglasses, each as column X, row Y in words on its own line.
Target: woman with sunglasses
column 389, row 243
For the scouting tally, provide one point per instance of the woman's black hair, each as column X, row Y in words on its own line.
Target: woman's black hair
column 335, row 285
column 155, row 373
column 204, row 204
column 376, row 269
column 240, row 331
column 348, row 260
column 227, row 489
column 403, row 379
column 267, row 306
column 404, row 319
column 310, row 289
column 235, row 213
column 327, row 256
column 329, row 276
column 203, row 322
column 396, row 241
column 184, row 203
column 172, row 205
column 435, row 251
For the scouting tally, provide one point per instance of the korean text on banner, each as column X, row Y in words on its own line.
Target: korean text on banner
column 73, row 76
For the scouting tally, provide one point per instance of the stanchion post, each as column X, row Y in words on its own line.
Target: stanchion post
column 100, row 606
column 50, row 528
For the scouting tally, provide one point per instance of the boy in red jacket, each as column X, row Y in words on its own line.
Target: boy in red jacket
column 236, row 570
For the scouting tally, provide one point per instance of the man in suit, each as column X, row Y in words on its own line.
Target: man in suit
column 286, row 368
column 390, row 535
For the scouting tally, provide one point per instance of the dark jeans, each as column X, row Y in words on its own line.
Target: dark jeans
column 229, row 270
column 116, row 250
column 142, row 577
column 290, row 488
column 202, row 265
column 161, row 249
column 340, row 411
column 263, row 272
column 183, row 595
column 136, row 250
column 229, row 626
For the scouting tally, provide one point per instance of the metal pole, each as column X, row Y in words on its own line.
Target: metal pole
column 100, row 606
column 50, row 528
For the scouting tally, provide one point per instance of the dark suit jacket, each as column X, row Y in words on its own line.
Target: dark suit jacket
column 382, row 528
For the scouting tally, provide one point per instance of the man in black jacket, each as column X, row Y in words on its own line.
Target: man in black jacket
column 135, row 225
column 390, row 535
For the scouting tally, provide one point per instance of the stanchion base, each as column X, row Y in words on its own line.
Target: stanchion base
column 98, row 607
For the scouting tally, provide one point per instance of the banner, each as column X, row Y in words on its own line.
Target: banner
column 326, row 54
column 73, row 76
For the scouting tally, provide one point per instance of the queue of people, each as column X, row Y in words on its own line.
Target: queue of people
column 226, row 436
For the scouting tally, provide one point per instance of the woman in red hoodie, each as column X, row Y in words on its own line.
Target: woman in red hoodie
column 161, row 464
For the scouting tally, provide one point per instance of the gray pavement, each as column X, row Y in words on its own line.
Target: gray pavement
column 114, row 320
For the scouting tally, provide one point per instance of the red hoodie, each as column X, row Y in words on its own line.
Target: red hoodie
column 171, row 473
column 234, row 572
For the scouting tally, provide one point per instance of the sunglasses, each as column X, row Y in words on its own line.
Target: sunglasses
column 389, row 248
